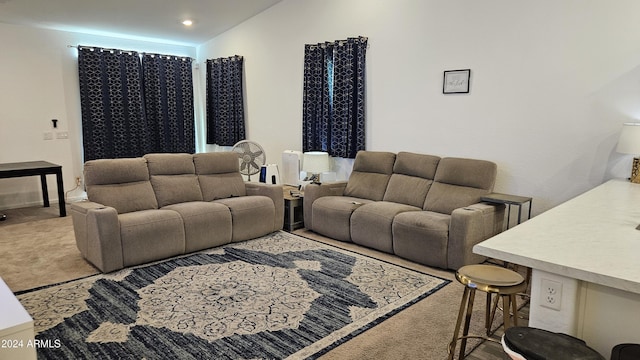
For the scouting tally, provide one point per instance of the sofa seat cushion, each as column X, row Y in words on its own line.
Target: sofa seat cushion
column 422, row 236
column 332, row 215
column 150, row 235
column 206, row 224
column 371, row 224
column 252, row 216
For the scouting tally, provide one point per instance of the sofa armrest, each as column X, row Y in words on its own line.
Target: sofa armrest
column 469, row 226
column 97, row 231
column 315, row 191
column 275, row 192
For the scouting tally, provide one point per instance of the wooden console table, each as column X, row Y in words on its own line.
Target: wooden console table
column 41, row 168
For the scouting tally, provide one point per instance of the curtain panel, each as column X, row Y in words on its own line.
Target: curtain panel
column 225, row 101
column 168, row 95
column 131, row 107
column 113, row 120
column 333, row 118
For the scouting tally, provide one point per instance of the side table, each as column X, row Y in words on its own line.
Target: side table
column 293, row 207
column 509, row 200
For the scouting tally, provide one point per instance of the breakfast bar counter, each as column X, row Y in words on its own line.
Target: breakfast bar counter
column 589, row 246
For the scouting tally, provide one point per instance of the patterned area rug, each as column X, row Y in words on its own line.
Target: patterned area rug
column 280, row 296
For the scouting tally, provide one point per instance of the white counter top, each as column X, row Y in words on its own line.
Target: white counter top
column 592, row 237
column 13, row 317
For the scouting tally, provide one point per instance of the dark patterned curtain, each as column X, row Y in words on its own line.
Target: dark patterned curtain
column 168, row 95
column 132, row 107
column 113, row 121
column 333, row 118
column 225, row 101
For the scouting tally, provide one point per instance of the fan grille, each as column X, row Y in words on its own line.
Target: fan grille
column 251, row 157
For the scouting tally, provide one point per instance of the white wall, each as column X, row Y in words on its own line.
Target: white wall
column 552, row 82
column 39, row 82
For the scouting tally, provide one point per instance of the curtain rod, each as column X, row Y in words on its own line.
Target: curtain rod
column 125, row 51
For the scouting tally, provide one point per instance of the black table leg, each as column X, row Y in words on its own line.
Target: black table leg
column 45, row 190
column 63, row 209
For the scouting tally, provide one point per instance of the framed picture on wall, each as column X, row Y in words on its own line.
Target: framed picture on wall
column 456, row 81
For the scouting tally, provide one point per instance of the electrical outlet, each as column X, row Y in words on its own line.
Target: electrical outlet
column 78, row 181
column 551, row 294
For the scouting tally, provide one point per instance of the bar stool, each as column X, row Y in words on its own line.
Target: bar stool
column 625, row 352
column 522, row 343
column 490, row 279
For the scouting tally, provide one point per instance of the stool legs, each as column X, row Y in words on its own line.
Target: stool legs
column 463, row 306
column 489, row 313
column 468, row 297
column 467, row 321
column 509, row 305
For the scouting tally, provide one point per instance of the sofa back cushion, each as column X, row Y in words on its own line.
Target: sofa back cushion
column 370, row 176
column 411, row 179
column 460, row 182
column 120, row 183
column 173, row 177
column 219, row 175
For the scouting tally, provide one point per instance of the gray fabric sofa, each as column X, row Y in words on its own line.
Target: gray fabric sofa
column 420, row 207
column 161, row 205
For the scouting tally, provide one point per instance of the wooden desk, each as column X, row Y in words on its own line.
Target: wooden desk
column 590, row 246
column 41, row 168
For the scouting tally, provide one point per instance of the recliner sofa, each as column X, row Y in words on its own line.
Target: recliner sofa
column 420, row 207
column 161, row 205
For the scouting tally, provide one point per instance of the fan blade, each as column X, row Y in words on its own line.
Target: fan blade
column 256, row 154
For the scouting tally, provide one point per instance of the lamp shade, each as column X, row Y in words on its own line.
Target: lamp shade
column 315, row 162
column 629, row 142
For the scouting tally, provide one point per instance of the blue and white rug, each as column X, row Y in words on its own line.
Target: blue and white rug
column 279, row 296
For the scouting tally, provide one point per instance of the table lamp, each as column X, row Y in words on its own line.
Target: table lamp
column 315, row 163
column 629, row 143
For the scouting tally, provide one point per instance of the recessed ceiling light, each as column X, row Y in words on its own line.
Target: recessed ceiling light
column 187, row 22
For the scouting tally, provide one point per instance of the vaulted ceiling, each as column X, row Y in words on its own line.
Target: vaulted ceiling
column 152, row 20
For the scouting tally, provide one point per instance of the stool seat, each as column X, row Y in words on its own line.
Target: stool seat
column 532, row 343
column 625, row 352
column 489, row 278
column 492, row 280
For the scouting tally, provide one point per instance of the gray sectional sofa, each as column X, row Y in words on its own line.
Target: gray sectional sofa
column 420, row 207
column 161, row 205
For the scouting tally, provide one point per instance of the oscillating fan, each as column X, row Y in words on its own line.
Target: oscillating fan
column 251, row 156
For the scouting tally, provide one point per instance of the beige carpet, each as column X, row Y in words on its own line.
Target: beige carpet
column 40, row 251
column 38, row 248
